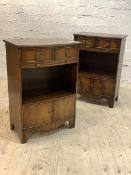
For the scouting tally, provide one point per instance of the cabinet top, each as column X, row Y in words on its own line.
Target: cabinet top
column 39, row 42
column 101, row 35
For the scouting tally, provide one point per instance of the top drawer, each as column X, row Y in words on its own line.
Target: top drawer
column 66, row 54
column 32, row 57
column 104, row 44
column 36, row 57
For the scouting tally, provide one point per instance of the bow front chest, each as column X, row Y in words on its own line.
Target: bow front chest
column 100, row 65
column 42, row 75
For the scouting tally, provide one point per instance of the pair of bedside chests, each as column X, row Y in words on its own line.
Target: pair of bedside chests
column 44, row 77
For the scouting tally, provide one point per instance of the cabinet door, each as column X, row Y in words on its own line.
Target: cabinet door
column 103, row 87
column 64, row 109
column 66, row 54
column 37, row 114
column 84, row 85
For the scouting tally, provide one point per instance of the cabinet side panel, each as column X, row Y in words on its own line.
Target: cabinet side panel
column 14, row 85
column 119, row 68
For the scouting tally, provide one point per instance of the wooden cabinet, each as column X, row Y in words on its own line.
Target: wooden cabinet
column 100, row 65
column 42, row 76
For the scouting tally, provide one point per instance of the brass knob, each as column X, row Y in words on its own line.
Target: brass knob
column 54, row 110
column 83, row 42
column 37, row 54
column 38, row 64
column 67, row 53
column 107, row 44
column 65, row 61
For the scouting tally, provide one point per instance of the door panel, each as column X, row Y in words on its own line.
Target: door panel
column 64, row 108
column 103, row 87
column 84, row 85
column 37, row 114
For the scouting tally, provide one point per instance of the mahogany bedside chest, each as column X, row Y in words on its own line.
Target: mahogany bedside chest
column 100, row 65
column 42, row 76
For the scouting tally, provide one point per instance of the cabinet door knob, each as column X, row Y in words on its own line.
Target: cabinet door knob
column 65, row 61
column 54, row 110
column 38, row 64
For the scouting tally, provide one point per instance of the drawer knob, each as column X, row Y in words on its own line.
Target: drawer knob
column 65, row 61
column 107, row 44
column 37, row 54
column 83, row 42
column 67, row 53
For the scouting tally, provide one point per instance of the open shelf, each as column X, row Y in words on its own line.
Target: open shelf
column 98, row 63
column 40, row 96
column 46, row 83
column 96, row 74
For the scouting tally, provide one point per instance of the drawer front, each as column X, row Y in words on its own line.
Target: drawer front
column 107, row 44
column 37, row 115
column 87, row 42
column 103, row 87
column 115, row 44
column 64, row 108
column 84, row 85
column 66, row 54
column 36, row 57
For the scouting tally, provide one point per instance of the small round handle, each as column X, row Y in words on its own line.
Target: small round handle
column 65, row 61
column 67, row 53
column 107, row 44
column 83, row 42
column 38, row 64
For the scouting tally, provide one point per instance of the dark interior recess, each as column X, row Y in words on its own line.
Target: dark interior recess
column 98, row 62
column 49, row 79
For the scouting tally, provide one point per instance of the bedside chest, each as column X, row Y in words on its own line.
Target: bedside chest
column 42, row 75
column 100, row 65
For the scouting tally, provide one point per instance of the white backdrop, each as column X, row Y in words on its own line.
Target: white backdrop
column 62, row 18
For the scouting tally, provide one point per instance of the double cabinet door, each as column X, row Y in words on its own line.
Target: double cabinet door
column 38, row 57
column 96, row 86
column 48, row 112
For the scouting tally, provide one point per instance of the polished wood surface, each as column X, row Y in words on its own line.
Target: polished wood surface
column 101, row 35
column 42, row 76
column 100, row 144
column 100, row 65
column 41, row 42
